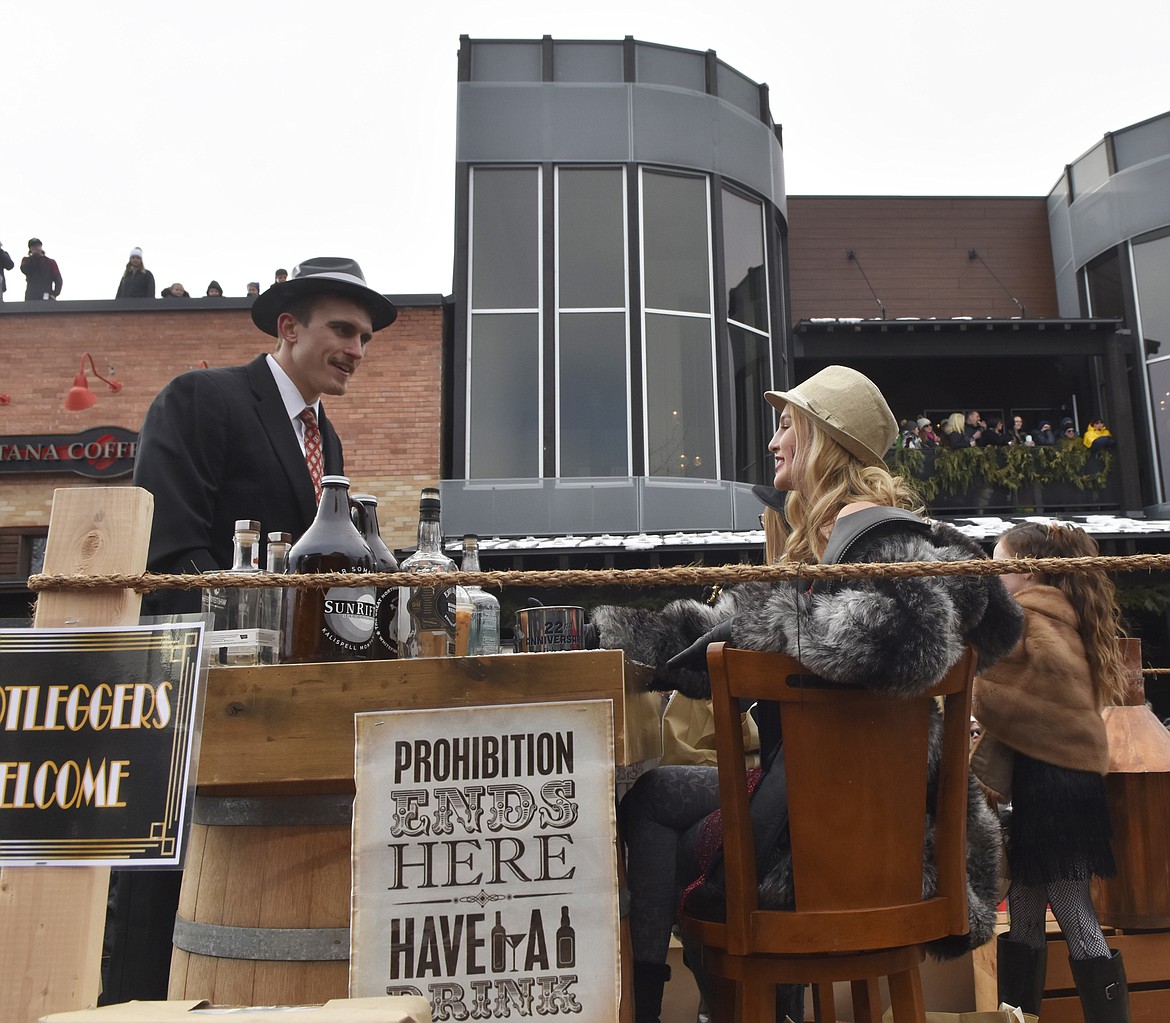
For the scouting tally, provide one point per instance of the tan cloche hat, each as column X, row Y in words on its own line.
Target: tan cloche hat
column 848, row 406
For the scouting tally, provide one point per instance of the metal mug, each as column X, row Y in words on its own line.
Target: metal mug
column 545, row 629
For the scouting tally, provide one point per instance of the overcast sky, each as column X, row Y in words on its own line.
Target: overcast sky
column 227, row 139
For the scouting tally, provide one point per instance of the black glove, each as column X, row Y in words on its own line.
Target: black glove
column 694, row 657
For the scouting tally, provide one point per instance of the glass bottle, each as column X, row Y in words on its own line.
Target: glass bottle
column 385, row 644
column 272, row 601
column 335, row 624
column 430, row 611
column 230, row 612
column 485, row 615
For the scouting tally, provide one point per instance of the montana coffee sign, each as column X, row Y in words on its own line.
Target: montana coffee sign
column 101, row 453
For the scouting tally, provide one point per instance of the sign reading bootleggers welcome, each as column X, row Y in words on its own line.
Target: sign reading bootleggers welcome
column 96, row 738
column 484, row 861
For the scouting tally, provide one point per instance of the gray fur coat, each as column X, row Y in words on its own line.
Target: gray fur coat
column 899, row 636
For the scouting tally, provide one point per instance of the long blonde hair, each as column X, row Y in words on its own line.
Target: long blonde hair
column 956, row 423
column 830, row 478
column 1092, row 595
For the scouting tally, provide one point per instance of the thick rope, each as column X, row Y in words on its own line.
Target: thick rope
column 636, row 577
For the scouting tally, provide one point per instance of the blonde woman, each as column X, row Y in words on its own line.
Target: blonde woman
column 893, row 635
column 1042, row 705
column 956, row 431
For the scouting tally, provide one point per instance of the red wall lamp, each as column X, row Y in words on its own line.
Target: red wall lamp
column 80, row 396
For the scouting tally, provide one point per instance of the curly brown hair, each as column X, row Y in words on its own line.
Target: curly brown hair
column 1092, row 595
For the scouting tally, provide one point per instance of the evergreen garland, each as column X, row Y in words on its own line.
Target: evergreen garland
column 957, row 471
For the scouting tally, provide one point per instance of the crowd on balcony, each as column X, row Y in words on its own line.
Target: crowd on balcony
column 970, row 429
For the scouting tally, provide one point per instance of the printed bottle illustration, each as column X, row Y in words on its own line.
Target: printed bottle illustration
column 499, row 945
column 566, row 942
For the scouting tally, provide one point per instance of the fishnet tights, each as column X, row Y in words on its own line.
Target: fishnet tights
column 1072, row 907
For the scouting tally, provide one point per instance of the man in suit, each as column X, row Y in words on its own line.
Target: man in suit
column 225, row 444
column 220, row 445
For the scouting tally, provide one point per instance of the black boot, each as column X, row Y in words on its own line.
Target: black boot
column 1020, row 973
column 1103, row 988
column 649, row 980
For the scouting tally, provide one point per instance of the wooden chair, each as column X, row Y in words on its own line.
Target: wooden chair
column 856, row 764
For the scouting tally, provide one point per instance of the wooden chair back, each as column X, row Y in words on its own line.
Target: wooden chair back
column 856, row 766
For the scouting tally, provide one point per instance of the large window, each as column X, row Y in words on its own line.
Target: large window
column 1151, row 264
column 678, row 328
column 745, row 273
column 504, row 332
column 593, row 380
column 579, row 364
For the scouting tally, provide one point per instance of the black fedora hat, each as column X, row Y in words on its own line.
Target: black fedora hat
column 322, row 275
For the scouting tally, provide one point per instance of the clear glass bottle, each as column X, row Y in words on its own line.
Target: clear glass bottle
column 485, row 614
column 231, row 613
column 430, row 617
column 272, row 601
column 336, row 624
column 385, row 644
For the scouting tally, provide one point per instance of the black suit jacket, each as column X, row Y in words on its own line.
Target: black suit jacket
column 217, row 445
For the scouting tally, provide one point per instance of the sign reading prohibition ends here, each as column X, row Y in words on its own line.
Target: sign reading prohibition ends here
column 97, row 730
column 485, row 871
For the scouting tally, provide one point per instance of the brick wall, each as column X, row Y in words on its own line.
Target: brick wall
column 388, row 421
column 914, row 252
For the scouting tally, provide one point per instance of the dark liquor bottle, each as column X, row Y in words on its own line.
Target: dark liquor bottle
column 499, row 944
column 566, row 942
column 385, row 644
column 335, row 624
column 430, row 618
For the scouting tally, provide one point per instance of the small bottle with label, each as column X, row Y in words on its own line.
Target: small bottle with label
column 499, row 946
column 232, row 614
column 334, row 624
column 566, row 940
column 430, row 618
column 272, row 600
column 385, row 644
column 485, row 615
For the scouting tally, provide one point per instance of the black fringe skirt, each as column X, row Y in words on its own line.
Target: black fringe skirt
column 1059, row 828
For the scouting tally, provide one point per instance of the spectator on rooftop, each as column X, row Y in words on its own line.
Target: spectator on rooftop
column 214, row 290
column 41, row 272
column 176, row 290
column 137, row 281
column 5, row 264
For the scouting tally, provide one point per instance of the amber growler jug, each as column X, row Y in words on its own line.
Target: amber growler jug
column 334, row 624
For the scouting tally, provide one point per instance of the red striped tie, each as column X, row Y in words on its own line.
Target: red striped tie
column 313, row 457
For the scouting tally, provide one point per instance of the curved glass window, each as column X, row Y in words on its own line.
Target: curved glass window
column 678, row 329
column 593, row 380
column 504, row 328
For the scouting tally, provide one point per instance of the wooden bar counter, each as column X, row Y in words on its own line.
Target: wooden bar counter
column 290, row 727
column 264, row 911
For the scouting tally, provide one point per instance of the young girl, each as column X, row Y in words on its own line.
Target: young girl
column 897, row 635
column 1042, row 704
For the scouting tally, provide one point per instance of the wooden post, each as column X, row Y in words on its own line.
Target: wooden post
column 52, row 918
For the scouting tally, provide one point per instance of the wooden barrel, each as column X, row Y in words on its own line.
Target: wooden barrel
column 264, row 909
